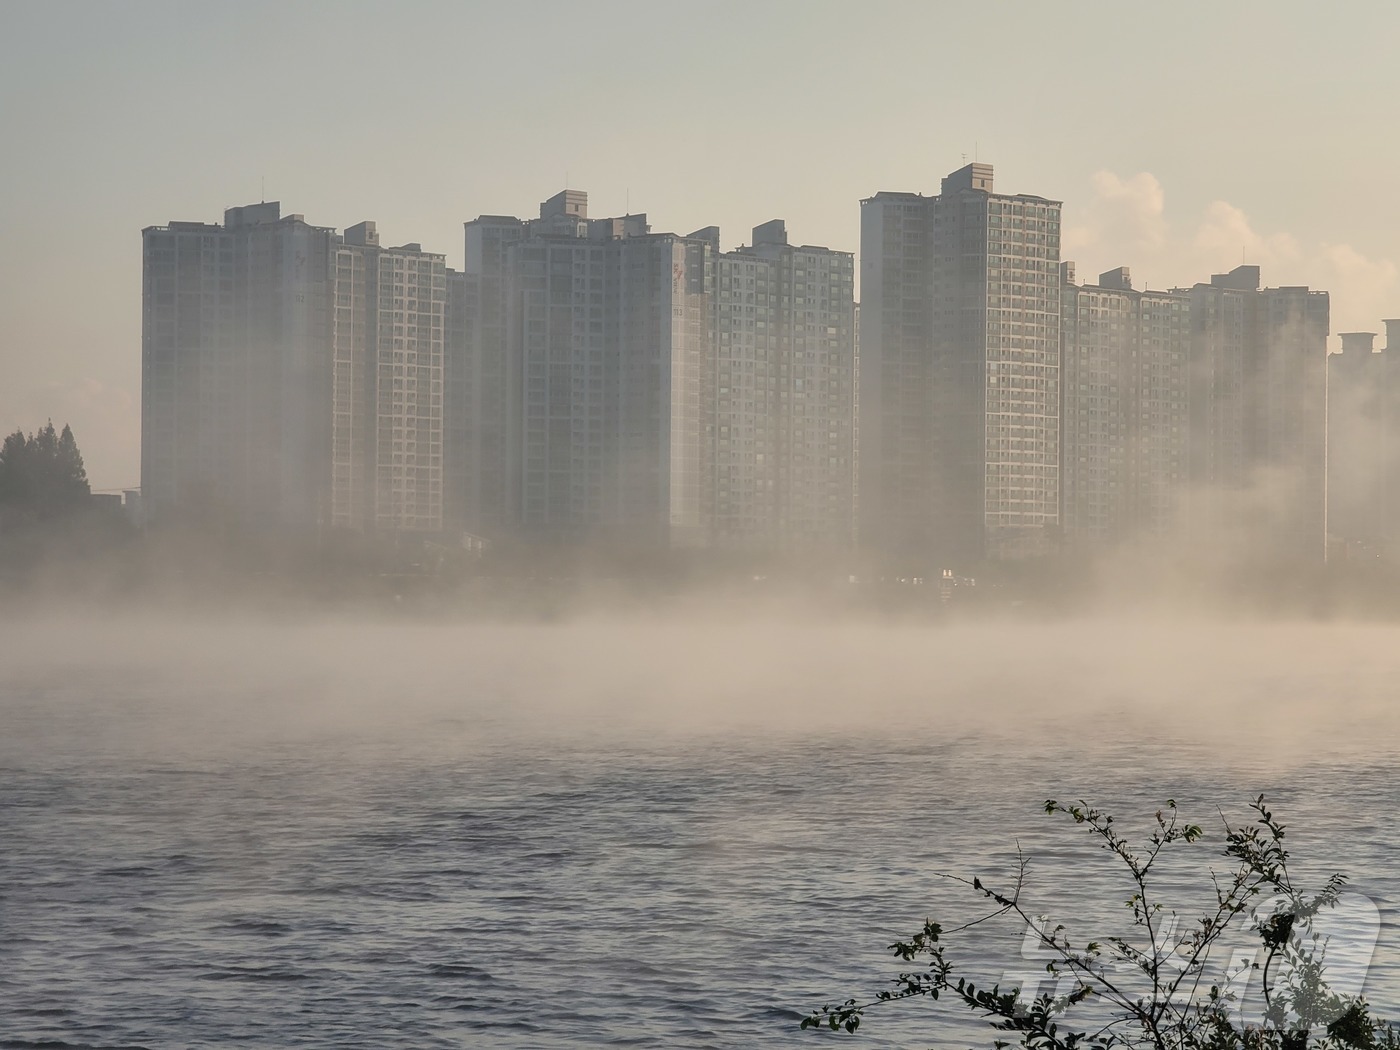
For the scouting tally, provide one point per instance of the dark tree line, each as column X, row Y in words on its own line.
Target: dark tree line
column 42, row 477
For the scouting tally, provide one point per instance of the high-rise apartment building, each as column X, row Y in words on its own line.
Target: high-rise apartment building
column 459, row 401
column 1363, row 444
column 1258, row 403
column 487, row 388
column 235, row 369
column 1123, row 373
column 585, row 350
column 783, row 329
column 960, row 399
column 581, row 379
column 388, row 339
column 646, row 386
column 291, row 378
column 665, row 396
column 588, row 352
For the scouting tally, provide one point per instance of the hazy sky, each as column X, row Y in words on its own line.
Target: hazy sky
column 1181, row 137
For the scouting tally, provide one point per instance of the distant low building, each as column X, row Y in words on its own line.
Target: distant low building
column 107, row 502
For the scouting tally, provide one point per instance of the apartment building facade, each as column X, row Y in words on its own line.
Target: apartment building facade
column 783, row 333
column 291, row 377
column 1124, row 376
column 1257, row 394
column 235, row 370
column 650, row 387
column 960, row 398
column 388, row 339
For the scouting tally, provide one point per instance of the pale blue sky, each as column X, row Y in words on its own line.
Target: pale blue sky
column 1180, row 137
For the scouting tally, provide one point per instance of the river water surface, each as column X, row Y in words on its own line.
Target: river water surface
column 626, row 833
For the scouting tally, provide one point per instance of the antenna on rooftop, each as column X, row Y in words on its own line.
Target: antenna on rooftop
column 264, row 189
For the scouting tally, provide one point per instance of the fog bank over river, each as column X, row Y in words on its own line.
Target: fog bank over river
column 1288, row 689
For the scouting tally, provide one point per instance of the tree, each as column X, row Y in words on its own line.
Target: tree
column 41, row 476
column 1152, row 989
